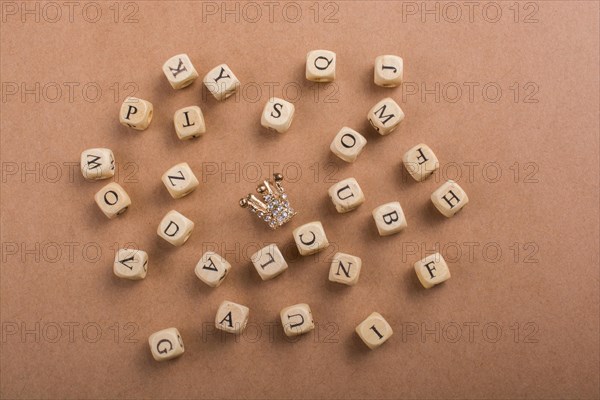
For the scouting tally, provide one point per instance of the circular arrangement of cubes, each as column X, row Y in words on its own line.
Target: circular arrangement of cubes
column 346, row 195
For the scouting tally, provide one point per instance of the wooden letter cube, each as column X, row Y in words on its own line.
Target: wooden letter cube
column 297, row 319
column 97, row 164
column 310, row 238
column 320, row 66
column 385, row 116
column 388, row 71
column 269, row 262
column 449, row 198
column 389, row 218
column 113, row 200
column 348, row 144
column 345, row 269
column 432, row 270
column 175, row 228
column 189, row 122
column 131, row 264
column 232, row 317
column 179, row 71
column 420, row 162
column 346, row 195
column 374, row 330
column 277, row 115
column 212, row 269
column 136, row 113
column 180, row 180
column 166, row 344
column 221, row 82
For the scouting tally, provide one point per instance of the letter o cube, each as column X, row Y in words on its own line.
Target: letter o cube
column 113, row 200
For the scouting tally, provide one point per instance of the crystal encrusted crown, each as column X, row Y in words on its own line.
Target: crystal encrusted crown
column 274, row 208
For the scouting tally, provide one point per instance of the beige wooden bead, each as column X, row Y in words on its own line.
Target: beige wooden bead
column 345, row 269
column 232, row 317
column 180, row 180
column 389, row 218
column 269, row 262
column 449, row 198
column 212, row 269
column 420, row 162
column 277, row 115
column 385, row 116
column 310, row 238
column 189, row 122
column 346, row 195
column 297, row 319
column 130, row 264
column 180, row 71
column 320, row 66
column 97, row 164
column 374, row 331
column 347, row 144
column 432, row 270
column 113, row 200
column 136, row 113
column 221, row 82
column 388, row 71
column 175, row 228
column 166, row 344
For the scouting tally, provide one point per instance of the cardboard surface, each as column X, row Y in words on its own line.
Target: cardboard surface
column 505, row 93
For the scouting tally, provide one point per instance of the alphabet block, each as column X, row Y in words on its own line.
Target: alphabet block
column 310, row 238
column 269, row 262
column 166, row 344
column 388, row 71
column 420, row 162
column 385, row 116
column 212, row 269
column 113, row 200
column 346, row 195
column 180, row 71
column 348, row 144
column 189, row 122
column 97, row 164
column 180, row 180
column 320, row 66
column 136, row 113
column 297, row 319
column 131, row 264
column 221, row 82
column 232, row 317
column 389, row 218
column 277, row 115
column 449, row 198
column 175, row 228
column 345, row 269
column 374, row 331
column 432, row 270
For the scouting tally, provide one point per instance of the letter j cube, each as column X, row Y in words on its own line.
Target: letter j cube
column 166, row 344
column 389, row 218
column 449, row 198
column 175, row 228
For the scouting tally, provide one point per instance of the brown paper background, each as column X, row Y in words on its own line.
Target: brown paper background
column 554, row 298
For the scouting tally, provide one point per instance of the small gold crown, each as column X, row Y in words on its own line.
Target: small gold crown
column 275, row 207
